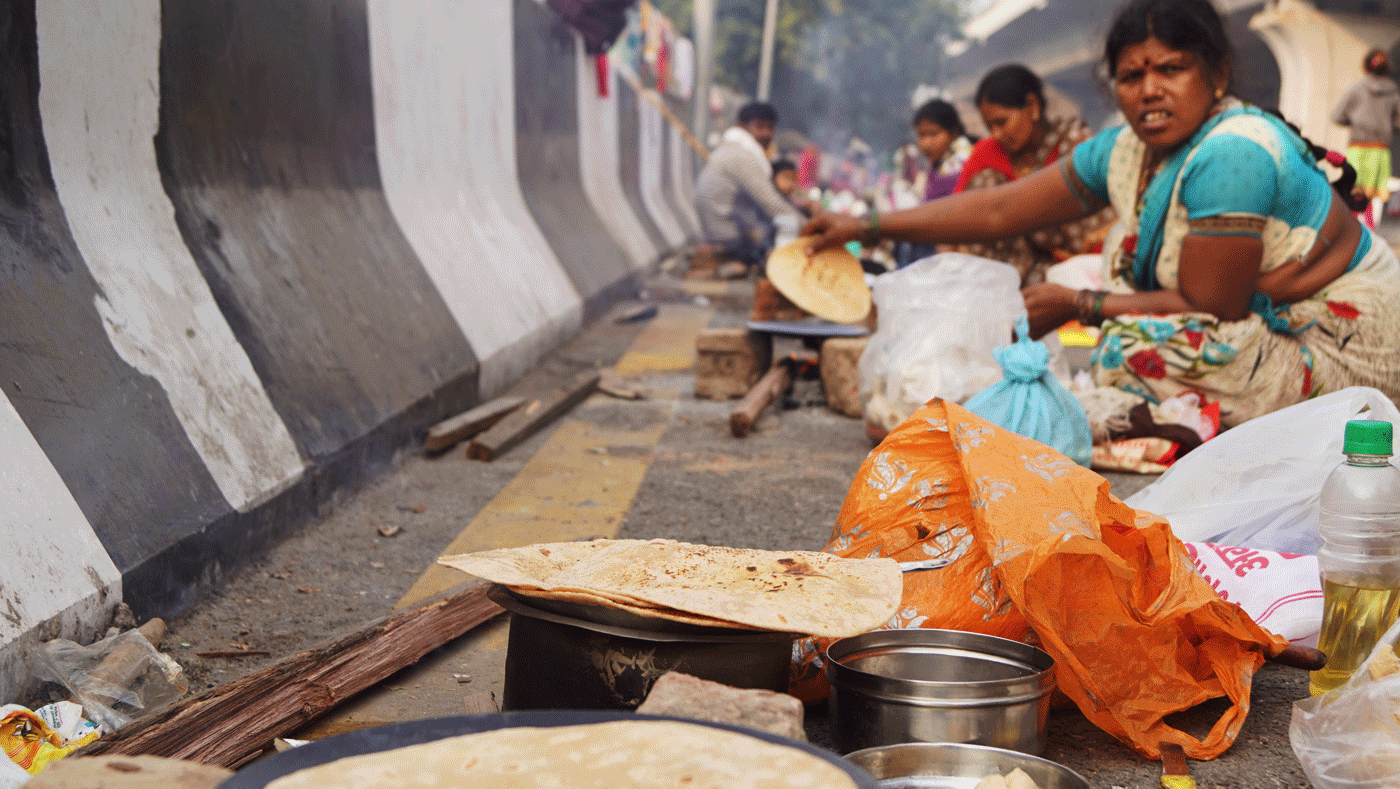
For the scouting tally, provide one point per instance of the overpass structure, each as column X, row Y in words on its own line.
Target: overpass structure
column 253, row 249
column 1295, row 55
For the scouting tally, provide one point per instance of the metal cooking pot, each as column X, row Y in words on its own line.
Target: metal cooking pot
column 575, row 656
column 927, row 765
column 924, row 685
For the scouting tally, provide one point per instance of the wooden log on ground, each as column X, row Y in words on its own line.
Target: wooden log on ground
column 228, row 725
column 446, row 434
column 769, row 388
column 523, row 422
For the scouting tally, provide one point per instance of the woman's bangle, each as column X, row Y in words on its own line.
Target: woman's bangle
column 1088, row 306
column 871, row 235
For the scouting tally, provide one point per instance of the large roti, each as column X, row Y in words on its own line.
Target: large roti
column 786, row 591
column 615, row 755
column 829, row 284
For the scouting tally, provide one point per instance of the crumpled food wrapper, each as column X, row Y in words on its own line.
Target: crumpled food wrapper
column 1041, row 552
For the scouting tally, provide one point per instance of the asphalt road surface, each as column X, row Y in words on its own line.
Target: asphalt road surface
column 663, row 466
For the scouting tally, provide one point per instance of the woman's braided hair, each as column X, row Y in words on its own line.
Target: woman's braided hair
column 1345, row 182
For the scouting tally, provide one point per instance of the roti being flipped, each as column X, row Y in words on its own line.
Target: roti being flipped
column 787, row 591
column 616, row 755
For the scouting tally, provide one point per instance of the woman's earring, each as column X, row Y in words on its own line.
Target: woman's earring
column 1219, row 93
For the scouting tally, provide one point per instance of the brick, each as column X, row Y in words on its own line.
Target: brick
column 685, row 696
column 840, row 374
column 728, row 362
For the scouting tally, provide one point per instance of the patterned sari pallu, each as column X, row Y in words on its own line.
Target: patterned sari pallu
column 1040, row 551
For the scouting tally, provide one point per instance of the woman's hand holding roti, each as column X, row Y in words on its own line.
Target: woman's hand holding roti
column 827, row 230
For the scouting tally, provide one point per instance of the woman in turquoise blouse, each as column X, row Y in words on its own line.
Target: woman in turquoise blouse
column 1234, row 271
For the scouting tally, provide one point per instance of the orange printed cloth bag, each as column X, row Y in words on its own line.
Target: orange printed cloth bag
column 1041, row 552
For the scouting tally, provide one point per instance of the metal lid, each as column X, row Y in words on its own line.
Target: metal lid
column 930, row 667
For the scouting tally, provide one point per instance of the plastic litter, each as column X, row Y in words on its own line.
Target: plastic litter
column 1257, row 485
column 31, row 739
column 115, row 680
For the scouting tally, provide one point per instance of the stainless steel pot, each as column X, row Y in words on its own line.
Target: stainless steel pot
column 573, row 656
column 924, row 685
column 926, row 765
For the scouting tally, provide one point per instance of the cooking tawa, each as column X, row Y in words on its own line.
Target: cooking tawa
column 818, row 329
column 398, row 735
column 829, row 284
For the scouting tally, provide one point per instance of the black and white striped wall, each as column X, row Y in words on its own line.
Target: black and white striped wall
column 250, row 249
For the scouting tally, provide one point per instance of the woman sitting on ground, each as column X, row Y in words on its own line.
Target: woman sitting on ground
column 1235, row 271
column 1023, row 139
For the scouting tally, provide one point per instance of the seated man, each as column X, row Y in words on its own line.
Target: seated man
column 734, row 194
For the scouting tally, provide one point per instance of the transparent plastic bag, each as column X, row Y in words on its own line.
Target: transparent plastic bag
column 1349, row 738
column 116, row 680
column 940, row 319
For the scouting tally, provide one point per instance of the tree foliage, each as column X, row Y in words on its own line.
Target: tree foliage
column 842, row 68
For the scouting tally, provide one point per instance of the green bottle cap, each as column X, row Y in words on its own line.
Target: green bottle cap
column 1368, row 437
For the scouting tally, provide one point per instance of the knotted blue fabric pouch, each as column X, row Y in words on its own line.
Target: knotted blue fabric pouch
column 1030, row 402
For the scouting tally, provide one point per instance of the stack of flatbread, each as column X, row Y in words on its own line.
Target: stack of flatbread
column 785, row 591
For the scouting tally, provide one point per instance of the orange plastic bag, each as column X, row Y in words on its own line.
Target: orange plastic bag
column 1041, row 552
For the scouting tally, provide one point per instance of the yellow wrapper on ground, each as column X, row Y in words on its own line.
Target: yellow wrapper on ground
column 28, row 742
column 1040, row 551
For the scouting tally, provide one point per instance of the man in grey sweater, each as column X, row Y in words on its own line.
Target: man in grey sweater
column 734, row 194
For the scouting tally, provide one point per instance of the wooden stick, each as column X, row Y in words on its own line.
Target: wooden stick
column 1301, row 657
column 671, row 118
column 230, row 724
column 446, row 434
column 769, row 388
column 522, row 423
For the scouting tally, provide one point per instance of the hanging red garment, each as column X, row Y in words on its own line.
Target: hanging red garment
column 600, row 66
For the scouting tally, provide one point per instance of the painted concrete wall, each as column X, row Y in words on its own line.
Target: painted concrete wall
column 630, row 161
column 600, row 155
column 445, row 118
column 252, row 250
column 547, row 158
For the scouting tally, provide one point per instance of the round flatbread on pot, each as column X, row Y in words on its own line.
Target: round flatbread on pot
column 829, row 284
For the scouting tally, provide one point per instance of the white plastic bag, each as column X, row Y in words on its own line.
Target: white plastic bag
column 1349, row 738
column 1256, row 485
column 940, row 319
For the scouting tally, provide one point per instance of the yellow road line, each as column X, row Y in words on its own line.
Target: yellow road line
column 580, row 483
column 667, row 344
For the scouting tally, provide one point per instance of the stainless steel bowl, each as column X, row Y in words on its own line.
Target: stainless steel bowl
column 920, row 765
column 924, row 685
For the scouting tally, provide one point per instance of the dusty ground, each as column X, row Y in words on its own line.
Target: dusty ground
column 779, row 488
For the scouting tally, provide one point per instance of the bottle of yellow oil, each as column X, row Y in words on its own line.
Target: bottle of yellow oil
column 1359, row 523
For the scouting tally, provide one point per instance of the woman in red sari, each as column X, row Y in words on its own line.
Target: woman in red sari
column 1023, row 139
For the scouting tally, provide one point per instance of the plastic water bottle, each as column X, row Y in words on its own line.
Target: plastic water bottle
column 1360, row 557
